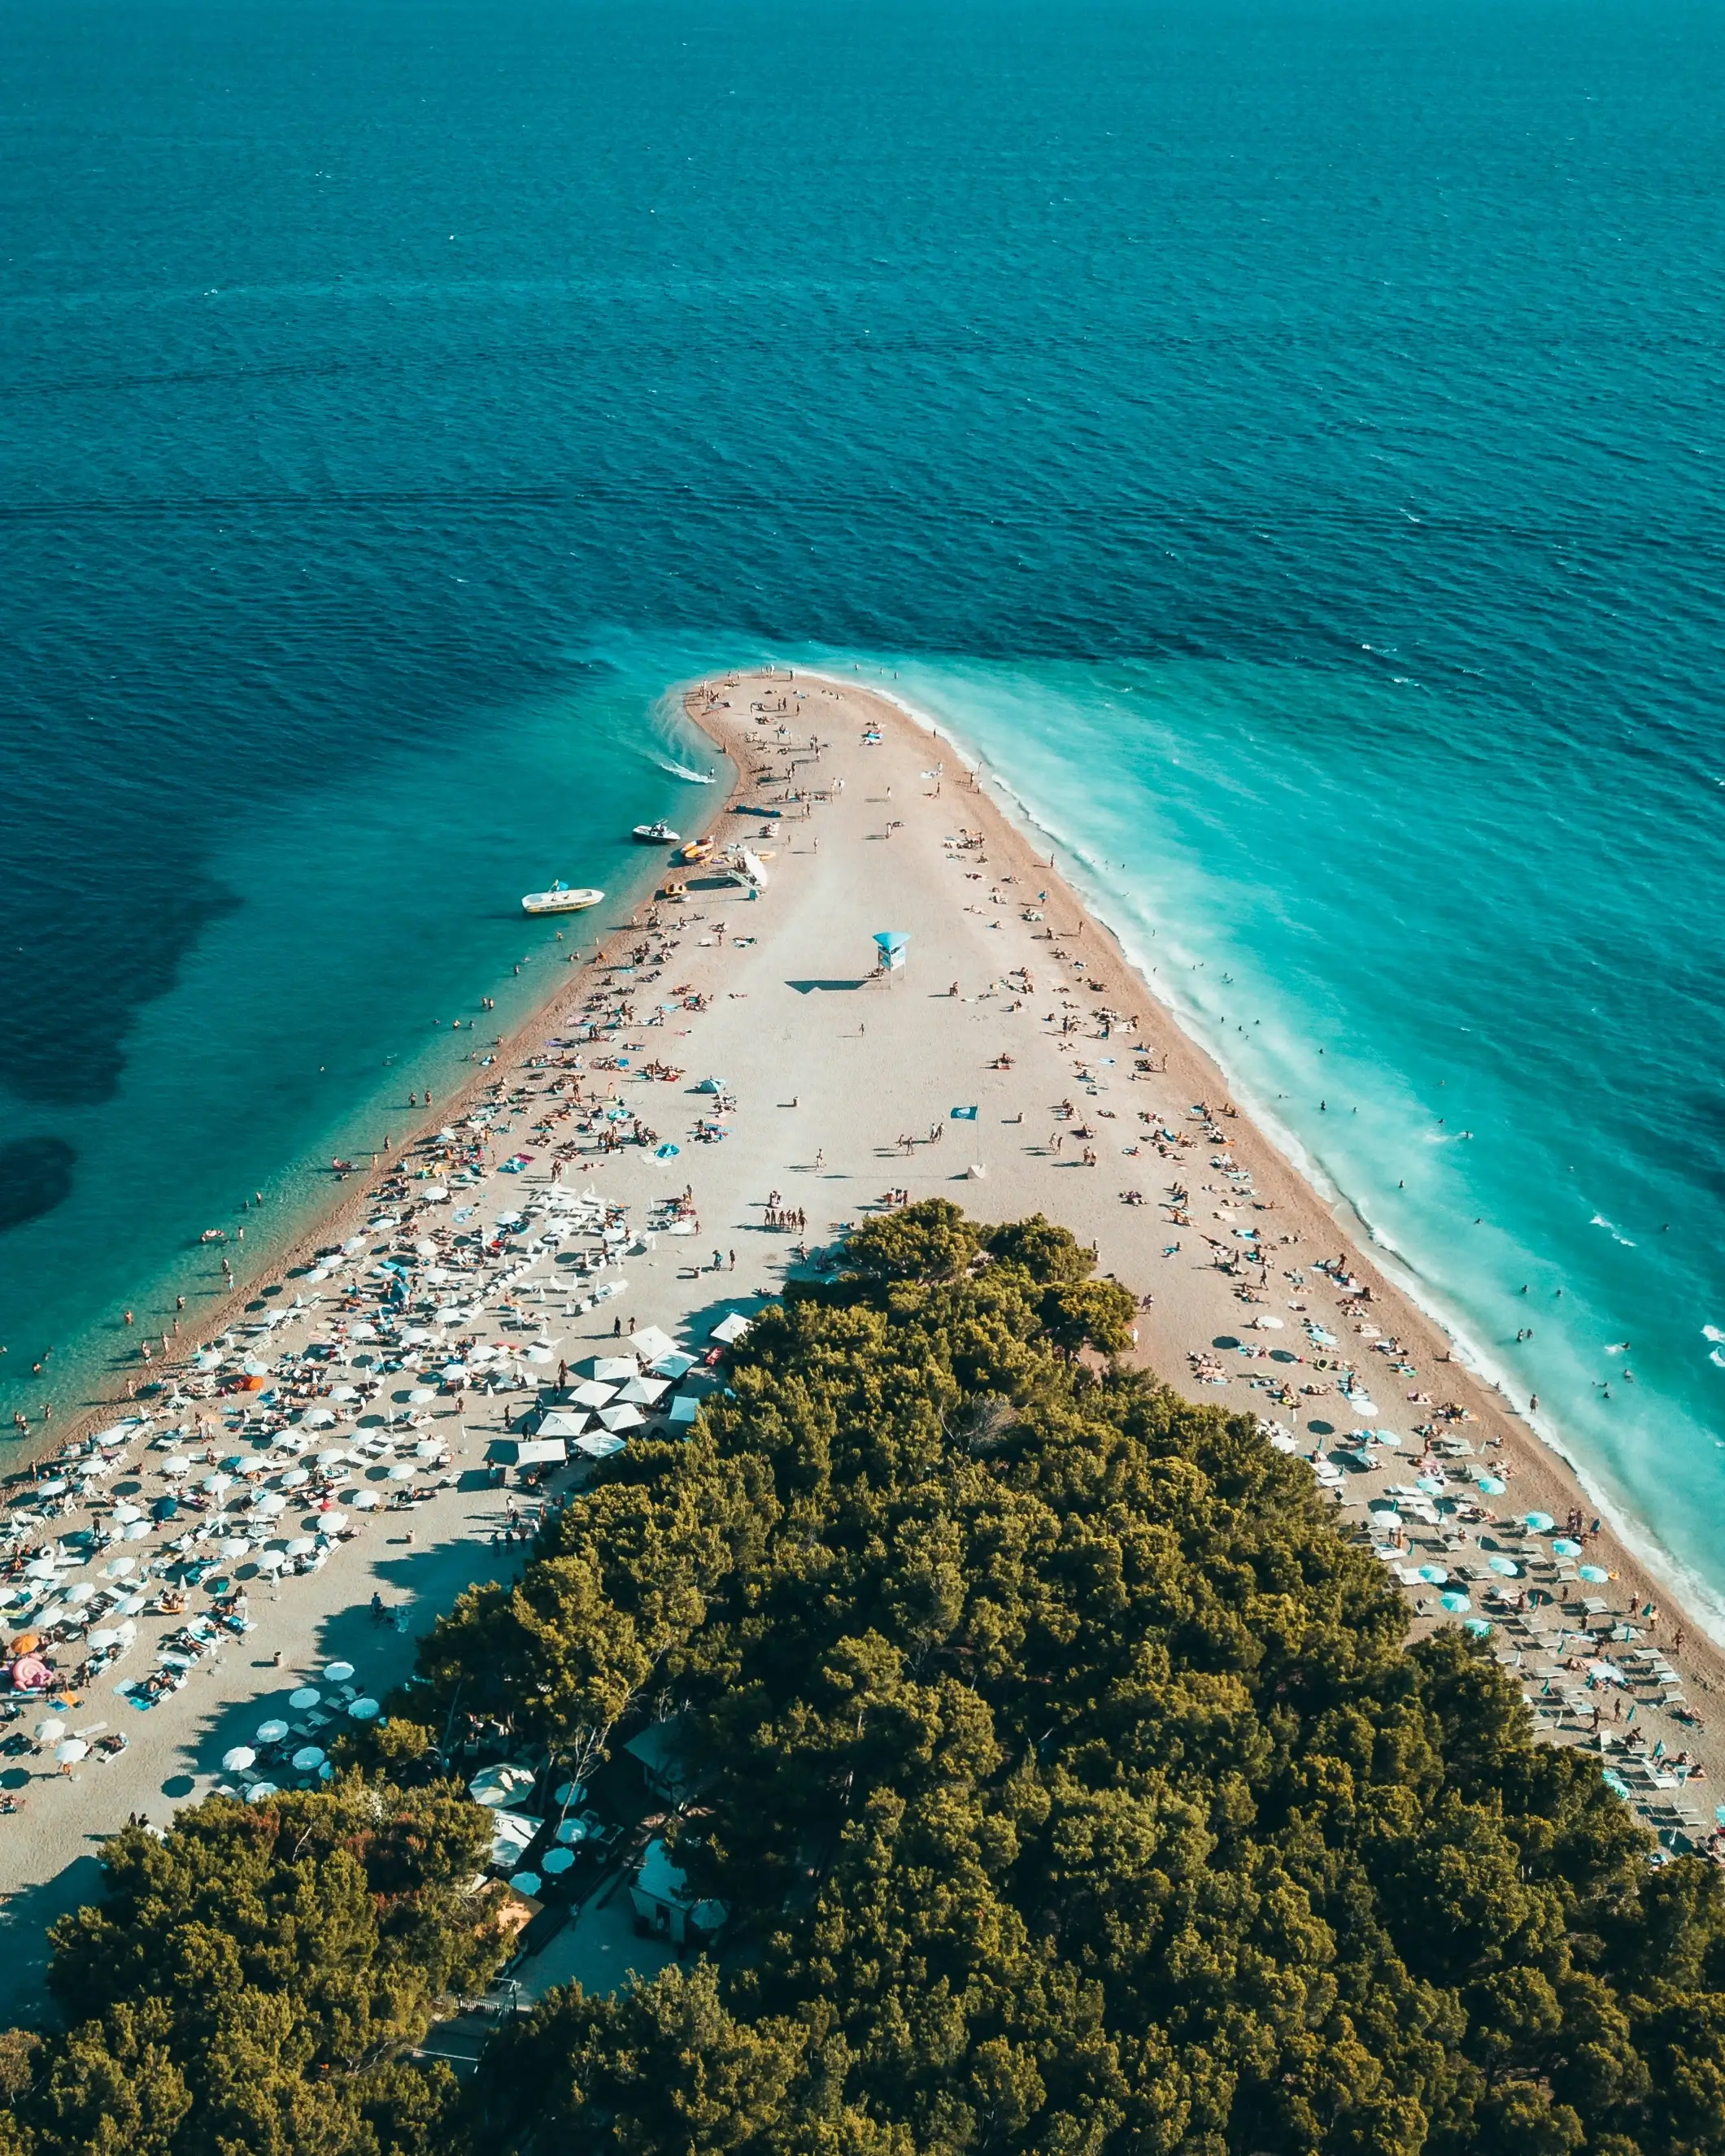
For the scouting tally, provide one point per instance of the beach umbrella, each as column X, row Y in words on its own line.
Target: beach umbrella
column 236, row 1761
column 403, row 1471
column 1455, row 1601
column 259, row 1790
column 420, row 1395
column 344, row 1393
column 617, row 1419
column 454, row 1373
column 40, row 1568
column 1538, row 1523
column 309, row 1758
column 132, row 1604
column 219, row 1484
column 1479, row 1627
column 1593, row 1573
column 270, row 1505
column 318, row 1418
column 1491, row 1486
column 79, row 1595
column 361, row 1330
column 526, row 1882
column 614, row 1369
column 105, row 1636
column 331, row 1521
column 136, row 1530
column 297, row 1478
column 338, row 1672
column 49, row 1730
column 125, row 1514
column 1507, row 1566
column 271, row 1732
column 165, row 1508
column 364, row 1501
column 1432, row 1485
column 588, row 1394
column 306, row 1698
column 73, row 1749
column 1564, row 1547
column 301, row 1546
column 364, row 1710
column 53, row 1487
column 1434, row 1575
column 179, row 1465
column 642, row 1392
column 235, row 1546
column 332, row 1457
column 429, row 1448
column 557, row 1861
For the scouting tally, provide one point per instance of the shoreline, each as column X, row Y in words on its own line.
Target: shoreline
column 1703, row 1603
column 829, row 1058
column 339, row 1213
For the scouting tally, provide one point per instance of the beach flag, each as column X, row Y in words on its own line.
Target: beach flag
column 963, row 1114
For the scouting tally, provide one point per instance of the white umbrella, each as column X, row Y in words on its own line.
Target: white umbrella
column 403, row 1471
column 179, row 1465
column 105, row 1637
column 216, row 1484
column 332, row 1457
column 271, row 1560
column 588, row 1394
column 429, row 1448
column 270, row 1505
column 304, row 1698
column 40, row 1567
column 318, row 1418
column 621, row 1418
column 331, row 1524
column 301, row 1546
column 364, row 1501
column 453, row 1373
column 540, row 1355
column 79, row 1595
column 271, row 1732
column 338, row 1672
column 297, row 1478
column 259, row 1790
column 136, row 1530
column 362, row 1331
column 235, row 1546
column 364, row 1710
column 308, row 1756
column 125, row 1514
column 614, row 1369
column 642, row 1392
column 47, row 1731
column 73, row 1749
column 236, row 1761
column 344, row 1392
column 420, row 1395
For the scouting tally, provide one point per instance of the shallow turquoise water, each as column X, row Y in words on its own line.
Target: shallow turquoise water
column 1283, row 441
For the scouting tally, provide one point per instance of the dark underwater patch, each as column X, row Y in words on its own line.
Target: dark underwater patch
column 35, row 1176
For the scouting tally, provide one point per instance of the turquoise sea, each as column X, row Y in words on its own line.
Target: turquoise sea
column 1282, row 440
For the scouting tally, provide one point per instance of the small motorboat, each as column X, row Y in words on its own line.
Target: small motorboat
column 560, row 899
column 656, row 834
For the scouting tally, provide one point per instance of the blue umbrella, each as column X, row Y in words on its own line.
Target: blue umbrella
column 1478, row 1624
column 1595, row 1573
column 1505, row 1565
column 164, row 1508
column 1540, row 1524
column 1454, row 1602
column 1431, row 1485
column 1562, row 1546
column 1492, row 1485
column 1434, row 1575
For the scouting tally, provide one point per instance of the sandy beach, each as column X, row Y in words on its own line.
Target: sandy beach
column 1014, row 1063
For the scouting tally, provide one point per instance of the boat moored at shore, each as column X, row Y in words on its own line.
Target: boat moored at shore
column 560, row 899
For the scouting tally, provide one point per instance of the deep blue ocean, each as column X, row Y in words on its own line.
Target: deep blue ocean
column 1283, row 441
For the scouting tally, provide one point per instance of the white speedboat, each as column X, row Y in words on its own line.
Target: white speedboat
column 657, row 834
column 560, row 899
